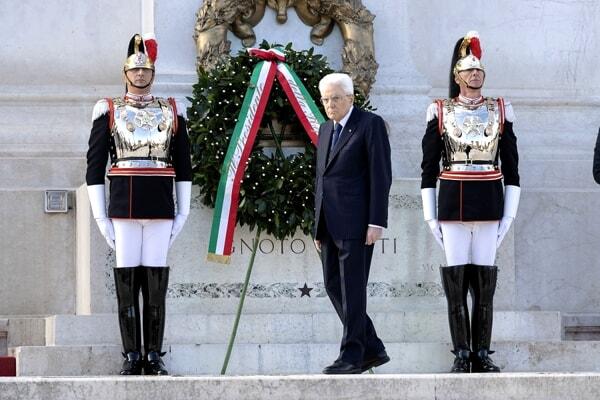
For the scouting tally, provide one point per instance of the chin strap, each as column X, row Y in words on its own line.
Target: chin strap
column 474, row 87
column 469, row 86
column 429, row 204
column 140, row 87
column 512, row 194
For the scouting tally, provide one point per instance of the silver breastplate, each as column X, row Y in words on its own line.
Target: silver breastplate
column 471, row 135
column 142, row 135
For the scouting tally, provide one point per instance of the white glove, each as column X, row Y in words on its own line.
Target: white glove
column 183, row 191
column 430, row 214
column 512, row 195
column 503, row 228
column 106, row 228
column 98, row 204
column 436, row 229
column 178, row 223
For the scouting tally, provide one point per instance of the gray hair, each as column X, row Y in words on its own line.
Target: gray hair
column 337, row 79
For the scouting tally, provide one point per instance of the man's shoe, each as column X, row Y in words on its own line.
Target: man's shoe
column 154, row 364
column 375, row 361
column 342, row 367
column 133, row 363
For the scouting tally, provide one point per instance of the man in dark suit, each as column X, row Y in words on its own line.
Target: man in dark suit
column 353, row 178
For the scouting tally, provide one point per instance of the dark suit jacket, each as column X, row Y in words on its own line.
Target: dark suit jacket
column 596, row 168
column 352, row 188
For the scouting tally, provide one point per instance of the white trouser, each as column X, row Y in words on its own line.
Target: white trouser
column 470, row 242
column 142, row 242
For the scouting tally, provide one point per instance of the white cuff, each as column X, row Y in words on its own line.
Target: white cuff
column 429, row 203
column 183, row 190
column 97, row 200
column 376, row 226
column 512, row 195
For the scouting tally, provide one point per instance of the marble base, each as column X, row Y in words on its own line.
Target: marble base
column 508, row 386
column 404, row 273
column 99, row 329
column 303, row 358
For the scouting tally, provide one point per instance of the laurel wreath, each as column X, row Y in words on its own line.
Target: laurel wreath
column 276, row 194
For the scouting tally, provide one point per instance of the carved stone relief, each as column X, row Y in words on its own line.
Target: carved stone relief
column 215, row 17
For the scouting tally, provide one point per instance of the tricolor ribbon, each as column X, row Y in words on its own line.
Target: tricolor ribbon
column 272, row 65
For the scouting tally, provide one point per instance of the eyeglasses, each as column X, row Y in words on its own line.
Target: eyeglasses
column 334, row 99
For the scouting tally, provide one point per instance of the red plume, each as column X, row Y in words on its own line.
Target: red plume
column 151, row 49
column 475, row 47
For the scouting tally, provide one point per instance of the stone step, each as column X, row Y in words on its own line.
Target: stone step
column 581, row 326
column 24, row 330
column 509, row 386
column 298, row 328
column 281, row 359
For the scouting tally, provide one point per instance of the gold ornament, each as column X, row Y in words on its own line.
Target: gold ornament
column 216, row 17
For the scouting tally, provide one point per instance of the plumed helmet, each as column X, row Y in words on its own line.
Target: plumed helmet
column 142, row 52
column 467, row 55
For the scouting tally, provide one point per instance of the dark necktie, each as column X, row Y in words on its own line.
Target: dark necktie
column 336, row 135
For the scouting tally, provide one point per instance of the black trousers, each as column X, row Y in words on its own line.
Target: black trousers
column 346, row 265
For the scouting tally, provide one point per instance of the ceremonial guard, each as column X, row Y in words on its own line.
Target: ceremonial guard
column 473, row 138
column 148, row 145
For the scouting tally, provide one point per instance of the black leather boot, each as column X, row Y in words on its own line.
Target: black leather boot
column 462, row 361
column 456, row 285
column 154, row 364
column 127, row 284
column 483, row 286
column 133, row 363
column 154, row 292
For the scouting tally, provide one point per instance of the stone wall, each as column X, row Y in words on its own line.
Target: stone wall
column 59, row 57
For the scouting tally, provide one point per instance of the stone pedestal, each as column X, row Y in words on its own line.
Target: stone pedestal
column 404, row 272
column 541, row 56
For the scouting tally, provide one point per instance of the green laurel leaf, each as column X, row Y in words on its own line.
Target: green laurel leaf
column 277, row 188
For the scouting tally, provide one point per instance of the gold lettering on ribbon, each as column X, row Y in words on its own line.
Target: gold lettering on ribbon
column 247, row 127
column 303, row 104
